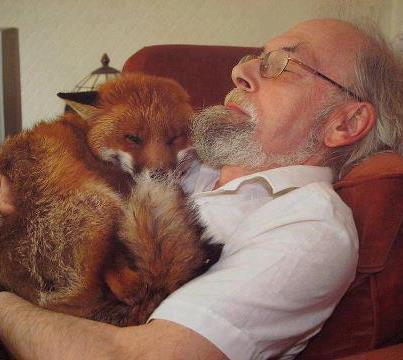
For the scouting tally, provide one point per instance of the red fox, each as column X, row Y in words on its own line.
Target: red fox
column 95, row 234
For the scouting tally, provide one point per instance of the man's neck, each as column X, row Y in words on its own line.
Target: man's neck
column 228, row 173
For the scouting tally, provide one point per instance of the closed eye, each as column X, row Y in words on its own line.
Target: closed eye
column 134, row 139
column 292, row 72
column 171, row 140
column 177, row 140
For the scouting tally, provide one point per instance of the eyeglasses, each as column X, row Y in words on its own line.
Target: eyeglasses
column 273, row 63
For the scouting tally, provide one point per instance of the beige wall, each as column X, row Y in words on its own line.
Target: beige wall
column 396, row 18
column 61, row 41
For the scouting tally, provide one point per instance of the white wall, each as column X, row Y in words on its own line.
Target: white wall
column 61, row 41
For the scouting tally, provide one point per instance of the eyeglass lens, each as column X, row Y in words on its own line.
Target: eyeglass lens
column 273, row 64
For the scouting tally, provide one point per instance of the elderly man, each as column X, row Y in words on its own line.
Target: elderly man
column 307, row 102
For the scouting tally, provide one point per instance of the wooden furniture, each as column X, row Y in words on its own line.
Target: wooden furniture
column 10, row 89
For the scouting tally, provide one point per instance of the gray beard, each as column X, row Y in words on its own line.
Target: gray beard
column 224, row 138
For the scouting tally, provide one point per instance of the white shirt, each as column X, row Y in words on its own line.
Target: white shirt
column 289, row 256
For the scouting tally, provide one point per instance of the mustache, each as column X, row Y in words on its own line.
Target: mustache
column 220, row 121
column 240, row 98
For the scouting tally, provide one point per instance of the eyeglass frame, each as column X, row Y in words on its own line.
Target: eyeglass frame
column 263, row 58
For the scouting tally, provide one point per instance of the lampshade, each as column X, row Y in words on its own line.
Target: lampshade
column 85, row 91
column 98, row 76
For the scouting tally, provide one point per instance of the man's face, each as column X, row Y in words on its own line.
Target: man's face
column 285, row 106
column 286, row 110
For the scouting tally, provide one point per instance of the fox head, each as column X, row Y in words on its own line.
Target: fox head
column 139, row 121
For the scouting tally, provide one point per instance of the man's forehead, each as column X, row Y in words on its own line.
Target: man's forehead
column 299, row 46
column 321, row 37
column 317, row 41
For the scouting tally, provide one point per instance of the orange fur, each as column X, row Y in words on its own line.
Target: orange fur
column 92, row 236
column 128, row 110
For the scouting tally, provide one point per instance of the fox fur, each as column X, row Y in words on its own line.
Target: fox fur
column 96, row 233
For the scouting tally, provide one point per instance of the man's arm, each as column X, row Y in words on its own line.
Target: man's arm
column 30, row 332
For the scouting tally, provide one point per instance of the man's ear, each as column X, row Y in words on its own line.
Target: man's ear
column 350, row 124
column 85, row 111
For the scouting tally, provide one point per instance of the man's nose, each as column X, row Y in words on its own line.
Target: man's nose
column 246, row 75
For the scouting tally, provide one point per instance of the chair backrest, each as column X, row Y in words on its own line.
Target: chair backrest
column 204, row 71
column 370, row 315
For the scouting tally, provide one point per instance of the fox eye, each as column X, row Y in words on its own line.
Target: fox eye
column 171, row 140
column 177, row 140
column 135, row 139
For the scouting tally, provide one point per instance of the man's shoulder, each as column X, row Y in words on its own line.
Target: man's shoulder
column 311, row 213
column 323, row 193
column 317, row 199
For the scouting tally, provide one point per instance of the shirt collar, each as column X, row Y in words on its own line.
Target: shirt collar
column 278, row 179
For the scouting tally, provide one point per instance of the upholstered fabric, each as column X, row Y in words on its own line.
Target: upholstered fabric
column 204, row 71
column 378, row 182
column 370, row 315
column 387, row 353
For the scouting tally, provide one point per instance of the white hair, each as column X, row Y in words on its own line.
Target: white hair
column 378, row 79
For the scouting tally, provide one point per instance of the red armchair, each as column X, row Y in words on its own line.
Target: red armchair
column 370, row 315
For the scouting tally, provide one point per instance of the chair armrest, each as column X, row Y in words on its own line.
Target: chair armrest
column 394, row 352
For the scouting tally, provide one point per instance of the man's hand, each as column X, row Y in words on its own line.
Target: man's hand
column 7, row 202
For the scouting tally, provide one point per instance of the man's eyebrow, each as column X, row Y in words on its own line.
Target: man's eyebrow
column 289, row 48
column 293, row 48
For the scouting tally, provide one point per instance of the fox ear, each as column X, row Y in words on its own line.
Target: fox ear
column 84, row 110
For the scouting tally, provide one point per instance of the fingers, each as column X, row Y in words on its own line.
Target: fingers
column 7, row 202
